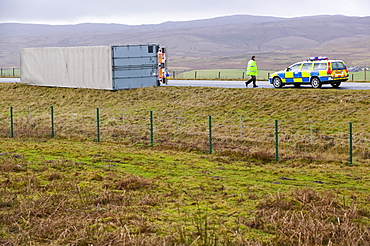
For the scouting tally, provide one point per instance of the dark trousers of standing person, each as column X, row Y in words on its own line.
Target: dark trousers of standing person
column 252, row 79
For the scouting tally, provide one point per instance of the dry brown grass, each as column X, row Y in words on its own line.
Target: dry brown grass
column 310, row 217
column 47, row 205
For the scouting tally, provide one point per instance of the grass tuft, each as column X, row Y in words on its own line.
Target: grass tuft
column 310, row 217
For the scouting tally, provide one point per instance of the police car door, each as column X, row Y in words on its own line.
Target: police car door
column 304, row 75
column 292, row 73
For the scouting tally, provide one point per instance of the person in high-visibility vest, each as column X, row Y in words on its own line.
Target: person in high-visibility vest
column 252, row 70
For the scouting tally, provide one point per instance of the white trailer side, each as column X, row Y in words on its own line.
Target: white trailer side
column 95, row 67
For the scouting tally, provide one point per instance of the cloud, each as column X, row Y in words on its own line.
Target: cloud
column 146, row 12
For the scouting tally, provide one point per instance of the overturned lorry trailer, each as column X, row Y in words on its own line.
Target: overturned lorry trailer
column 96, row 67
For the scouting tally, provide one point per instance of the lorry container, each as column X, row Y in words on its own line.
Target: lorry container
column 96, row 67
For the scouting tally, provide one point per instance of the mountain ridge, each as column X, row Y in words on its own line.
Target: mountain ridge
column 225, row 36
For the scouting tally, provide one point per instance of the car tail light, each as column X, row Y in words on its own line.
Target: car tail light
column 329, row 68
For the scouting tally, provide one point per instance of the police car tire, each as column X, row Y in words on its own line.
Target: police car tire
column 336, row 84
column 276, row 82
column 316, row 83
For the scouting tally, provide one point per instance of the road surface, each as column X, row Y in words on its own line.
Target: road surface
column 239, row 84
column 10, row 80
column 262, row 84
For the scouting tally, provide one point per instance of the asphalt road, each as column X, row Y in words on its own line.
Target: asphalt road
column 10, row 80
column 239, row 84
column 262, row 84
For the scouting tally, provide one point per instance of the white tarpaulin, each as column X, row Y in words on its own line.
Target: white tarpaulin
column 76, row 67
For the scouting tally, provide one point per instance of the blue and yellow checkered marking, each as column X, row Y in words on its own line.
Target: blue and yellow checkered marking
column 300, row 77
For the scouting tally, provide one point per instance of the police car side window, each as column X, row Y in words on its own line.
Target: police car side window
column 319, row 66
column 306, row 66
column 294, row 68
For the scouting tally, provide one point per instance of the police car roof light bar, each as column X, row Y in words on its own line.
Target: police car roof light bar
column 318, row 58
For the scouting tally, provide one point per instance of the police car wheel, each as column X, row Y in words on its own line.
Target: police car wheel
column 316, row 83
column 277, row 82
column 336, row 84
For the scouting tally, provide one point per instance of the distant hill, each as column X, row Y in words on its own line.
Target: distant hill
column 201, row 43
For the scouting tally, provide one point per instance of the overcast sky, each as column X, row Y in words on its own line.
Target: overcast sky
column 152, row 12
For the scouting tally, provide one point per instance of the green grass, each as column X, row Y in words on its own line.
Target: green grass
column 75, row 191
column 153, row 193
column 227, row 74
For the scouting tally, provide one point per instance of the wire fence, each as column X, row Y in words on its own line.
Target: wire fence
column 237, row 135
column 13, row 72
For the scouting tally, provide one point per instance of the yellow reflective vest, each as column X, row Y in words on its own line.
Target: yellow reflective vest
column 252, row 68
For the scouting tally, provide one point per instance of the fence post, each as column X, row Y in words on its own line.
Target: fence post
column 52, row 121
column 195, row 75
column 11, row 123
column 1, row 72
column 173, row 74
column 219, row 75
column 210, row 133
column 243, row 76
column 13, row 72
column 151, row 129
column 352, row 78
column 350, row 144
column 277, row 140
column 98, row 124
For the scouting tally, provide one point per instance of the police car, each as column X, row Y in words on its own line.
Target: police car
column 316, row 71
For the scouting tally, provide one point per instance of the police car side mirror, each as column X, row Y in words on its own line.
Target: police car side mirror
column 287, row 69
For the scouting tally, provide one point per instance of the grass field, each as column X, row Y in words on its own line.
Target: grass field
column 221, row 74
column 74, row 191
column 10, row 73
column 226, row 74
